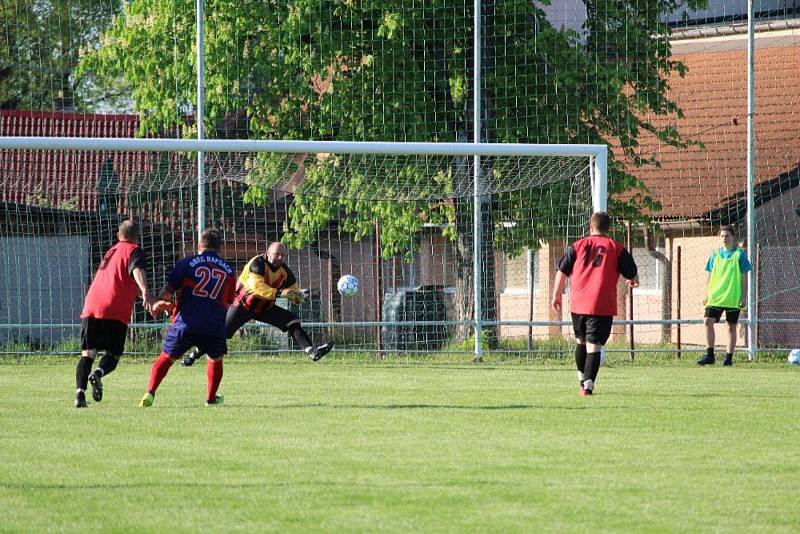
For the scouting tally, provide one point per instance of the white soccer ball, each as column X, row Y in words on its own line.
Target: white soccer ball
column 794, row 357
column 347, row 285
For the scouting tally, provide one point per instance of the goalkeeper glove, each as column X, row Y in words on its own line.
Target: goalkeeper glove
column 295, row 296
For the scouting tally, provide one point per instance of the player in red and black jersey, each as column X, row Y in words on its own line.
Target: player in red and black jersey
column 107, row 310
column 263, row 279
column 593, row 265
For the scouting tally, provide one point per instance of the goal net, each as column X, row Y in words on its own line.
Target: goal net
column 399, row 217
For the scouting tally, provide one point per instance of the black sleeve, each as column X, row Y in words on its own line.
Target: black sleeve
column 290, row 278
column 258, row 265
column 567, row 261
column 137, row 261
column 625, row 264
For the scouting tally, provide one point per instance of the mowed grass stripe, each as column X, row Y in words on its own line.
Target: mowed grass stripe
column 338, row 447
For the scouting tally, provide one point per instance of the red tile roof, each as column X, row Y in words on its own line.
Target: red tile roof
column 55, row 177
column 713, row 97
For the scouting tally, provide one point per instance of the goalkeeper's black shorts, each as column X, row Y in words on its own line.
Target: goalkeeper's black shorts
column 276, row 316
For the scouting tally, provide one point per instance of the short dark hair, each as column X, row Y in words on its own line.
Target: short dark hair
column 129, row 230
column 728, row 228
column 211, row 239
column 601, row 221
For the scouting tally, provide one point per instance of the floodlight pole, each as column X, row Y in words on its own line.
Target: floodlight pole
column 752, row 342
column 200, row 120
column 476, row 169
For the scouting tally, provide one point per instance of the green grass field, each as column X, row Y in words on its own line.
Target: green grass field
column 396, row 446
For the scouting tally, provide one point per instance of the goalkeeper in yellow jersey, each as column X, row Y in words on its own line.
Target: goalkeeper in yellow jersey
column 265, row 278
column 726, row 292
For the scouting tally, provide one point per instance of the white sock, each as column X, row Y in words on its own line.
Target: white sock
column 79, row 390
column 581, row 377
column 308, row 350
column 588, row 384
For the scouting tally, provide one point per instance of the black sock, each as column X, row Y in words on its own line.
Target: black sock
column 82, row 372
column 728, row 355
column 580, row 357
column 107, row 364
column 710, row 351
column 592, row 365
column 300, row 336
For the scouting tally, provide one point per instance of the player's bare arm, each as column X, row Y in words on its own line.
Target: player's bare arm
column 144, row 291
column 743, row 299
column 163, row 302
column 561, row 280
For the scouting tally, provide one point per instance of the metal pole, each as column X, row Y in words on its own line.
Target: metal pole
column 378, row 286
column 678, row 303
column 757, row 274
column 200, row 118
column 476, row 164
column 752, row 347
column 629, row 239
column 531, row 270
column 600, row 180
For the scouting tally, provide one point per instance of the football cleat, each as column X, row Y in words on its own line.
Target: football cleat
column 146, row 401
column 97, row 386
column 320, row 351
column 585, row 392
column 190, row 358
column 80, row 400
column 708, row 359
column 728, row 361
column 218, row 399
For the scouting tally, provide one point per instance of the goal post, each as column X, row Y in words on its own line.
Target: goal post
column 399, row 216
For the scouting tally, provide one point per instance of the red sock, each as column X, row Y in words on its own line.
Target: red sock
column 214, row 373
column 158, row 372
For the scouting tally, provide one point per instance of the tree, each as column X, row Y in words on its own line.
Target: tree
column 40, row 46
column 400, row 71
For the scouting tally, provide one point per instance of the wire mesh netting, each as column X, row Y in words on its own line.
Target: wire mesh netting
column 401, row 224
column 663, row 83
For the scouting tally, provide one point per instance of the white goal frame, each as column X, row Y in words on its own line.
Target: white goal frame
column 597, row 154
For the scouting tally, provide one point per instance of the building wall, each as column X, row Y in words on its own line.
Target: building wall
column 778, row 267
column 43, row 281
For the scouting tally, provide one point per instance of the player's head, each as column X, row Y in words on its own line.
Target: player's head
column 728, row 236
column 276, row 253
column 211, row 239
column 600, row 222
column 128, row 231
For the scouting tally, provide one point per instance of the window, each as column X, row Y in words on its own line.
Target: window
column 651, row 270
column 519, row 273
column 399, row 274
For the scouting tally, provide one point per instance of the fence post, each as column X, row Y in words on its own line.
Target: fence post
column 678, row 303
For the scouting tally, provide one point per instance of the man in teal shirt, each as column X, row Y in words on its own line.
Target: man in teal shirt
column 726, row 291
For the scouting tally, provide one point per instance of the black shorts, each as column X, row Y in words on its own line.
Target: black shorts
column 592, row 328
column 731, row 314
column 103, row 335
column 275, row 316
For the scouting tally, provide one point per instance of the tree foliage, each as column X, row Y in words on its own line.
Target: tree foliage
column 400, row 71
column 40, row 46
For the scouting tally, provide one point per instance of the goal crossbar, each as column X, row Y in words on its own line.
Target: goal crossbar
column 288, row 146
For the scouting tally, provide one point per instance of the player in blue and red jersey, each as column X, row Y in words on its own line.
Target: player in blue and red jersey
column 204, row 287
column 107, row 310
column 593, row 265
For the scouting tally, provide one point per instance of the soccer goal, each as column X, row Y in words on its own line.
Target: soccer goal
column 446, row 240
